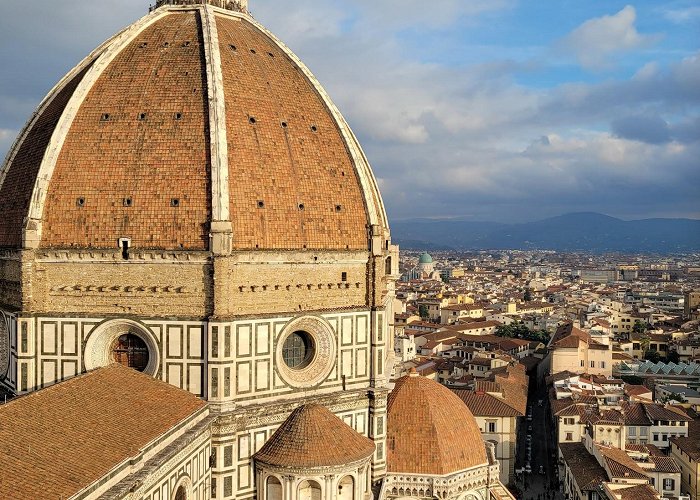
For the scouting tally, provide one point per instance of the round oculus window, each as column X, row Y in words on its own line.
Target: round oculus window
column 298, row 350
column 130, row 350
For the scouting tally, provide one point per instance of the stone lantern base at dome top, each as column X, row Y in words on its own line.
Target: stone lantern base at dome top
column 236, row 5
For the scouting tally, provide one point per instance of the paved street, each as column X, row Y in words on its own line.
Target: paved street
column 538, row 485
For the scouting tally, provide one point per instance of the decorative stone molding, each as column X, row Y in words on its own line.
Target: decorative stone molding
column 4, row 346
column 99, row 344
column 446, row 487
column 135, row 256
column 324, row 357
column 88, row 290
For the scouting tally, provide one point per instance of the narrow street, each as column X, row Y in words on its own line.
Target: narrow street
column 536, row 435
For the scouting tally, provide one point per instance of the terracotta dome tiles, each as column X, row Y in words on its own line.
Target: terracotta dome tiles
column 135, row 161
column 430, row 430
column 314, row 437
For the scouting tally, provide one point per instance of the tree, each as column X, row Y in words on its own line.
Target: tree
column 528, row 295
column 640, row 327
column 673, row 357
column 423, row 311
column 652, row 356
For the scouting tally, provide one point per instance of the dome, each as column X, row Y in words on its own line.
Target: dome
column 312, row 436
column 425, row 258
column 430, row 430
column 193, row 122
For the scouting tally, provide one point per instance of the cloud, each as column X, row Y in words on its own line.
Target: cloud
column 645, row 128
column 447, row 139
column 683, row 15
column 7, row 137
column 597, row 40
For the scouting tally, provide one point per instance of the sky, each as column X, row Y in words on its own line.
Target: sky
column 488, row 110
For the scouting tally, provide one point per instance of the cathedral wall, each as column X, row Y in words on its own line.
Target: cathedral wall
column 246, row 365
column 8, row 350
column 284, row 282
column 150, row 284
column 190, row 468
column 238, row 435
column 54, row 348
column 10, row 279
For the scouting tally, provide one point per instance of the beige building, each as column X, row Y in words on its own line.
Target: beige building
column 453, row 313
column 686, row 452
column 574, row 350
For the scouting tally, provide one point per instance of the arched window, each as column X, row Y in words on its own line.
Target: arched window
column 346, row 488
column 181, row 493
column 274, row 488
column 130, row 350
column 309, row 490
column 388, row 266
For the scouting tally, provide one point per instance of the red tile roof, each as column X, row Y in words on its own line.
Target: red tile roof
column 312, row 436
column 430, row 430
column 63, row 438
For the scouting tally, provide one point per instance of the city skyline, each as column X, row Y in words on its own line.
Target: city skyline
column 481, row 110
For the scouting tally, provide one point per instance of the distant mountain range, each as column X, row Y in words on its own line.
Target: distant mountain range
column 591, row 232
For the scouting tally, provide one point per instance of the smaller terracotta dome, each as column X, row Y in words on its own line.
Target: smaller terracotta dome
column 312, row 436
column 430, row 430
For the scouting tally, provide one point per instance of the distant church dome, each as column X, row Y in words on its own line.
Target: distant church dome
column 425, row 258
column 188, row 123
column 430, row 430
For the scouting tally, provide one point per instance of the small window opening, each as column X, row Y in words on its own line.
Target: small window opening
column 252, row 51
column 178, row 116
column 166, row 45
column 233, row 47
column 186, row 44
column 124, row 245
column 142, row 116
column 252, row 120
column 143, row 45
column 128, row 202
column 301, row 206
column 80, row 202
column 314, row 128
column 261, row 204
column 175, row 202
column 342, row 173
column 338, row 208
column 344, row 277
column 285, row 125
column 105, row 117
column 271, row 54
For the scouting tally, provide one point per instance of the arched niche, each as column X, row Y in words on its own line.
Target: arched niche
column 309, row 490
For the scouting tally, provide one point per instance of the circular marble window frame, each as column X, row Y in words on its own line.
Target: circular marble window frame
column 324, row 359
column 98, row 349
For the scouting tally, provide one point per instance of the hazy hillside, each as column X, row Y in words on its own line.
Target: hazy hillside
column 580, row 231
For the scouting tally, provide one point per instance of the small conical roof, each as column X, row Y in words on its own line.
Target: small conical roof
column 312, row 436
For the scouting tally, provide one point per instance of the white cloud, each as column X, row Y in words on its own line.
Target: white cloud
column 683, row 15
column 597, row 40
column 7, row 136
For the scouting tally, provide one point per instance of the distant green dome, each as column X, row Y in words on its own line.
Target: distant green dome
column 425, row 258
